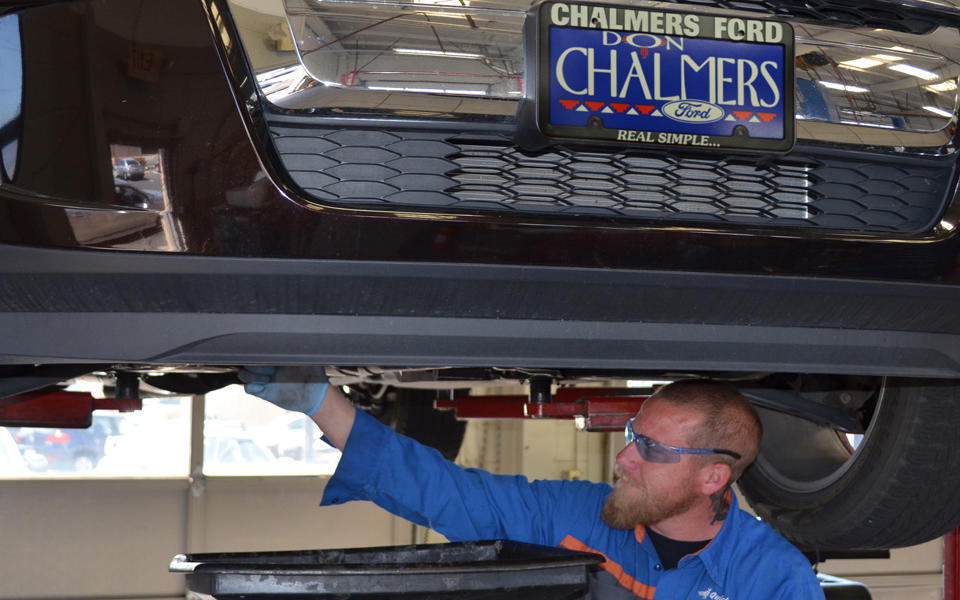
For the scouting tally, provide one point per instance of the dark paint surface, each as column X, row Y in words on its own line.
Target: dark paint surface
column 81, row 94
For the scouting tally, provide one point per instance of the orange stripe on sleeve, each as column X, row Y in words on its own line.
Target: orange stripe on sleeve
column 640, row 589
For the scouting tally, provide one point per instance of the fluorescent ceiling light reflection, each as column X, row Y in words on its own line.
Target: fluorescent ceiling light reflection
column 943, row 86
column 383, row 88
column 938, row 111
column 416, row 52
column 861, row 63
column 868, row 62
column 833, row 85
column 915, row 72
column 646, row 383
column 867, row 124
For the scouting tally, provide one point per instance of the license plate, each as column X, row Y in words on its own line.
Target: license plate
column 665, row 78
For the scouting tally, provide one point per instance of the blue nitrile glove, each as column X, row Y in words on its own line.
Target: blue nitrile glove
column 300, row 389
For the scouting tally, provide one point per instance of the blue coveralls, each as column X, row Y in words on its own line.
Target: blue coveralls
column 746, row 560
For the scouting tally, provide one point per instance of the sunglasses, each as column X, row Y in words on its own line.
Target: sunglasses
column 654, row 451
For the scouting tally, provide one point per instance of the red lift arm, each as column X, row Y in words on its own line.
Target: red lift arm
column 594, row 409
column 58, row 408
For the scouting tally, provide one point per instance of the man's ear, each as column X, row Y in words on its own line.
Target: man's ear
column 714, row 477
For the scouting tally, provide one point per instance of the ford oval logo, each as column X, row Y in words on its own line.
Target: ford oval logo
column 692, row 111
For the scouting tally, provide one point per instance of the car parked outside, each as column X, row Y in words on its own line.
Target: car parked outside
column 75, row 450
column 235, row 453
column 294, row 436
column 128, row 168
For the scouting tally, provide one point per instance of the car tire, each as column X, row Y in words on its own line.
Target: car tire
column 84, row 463
column 897, row 488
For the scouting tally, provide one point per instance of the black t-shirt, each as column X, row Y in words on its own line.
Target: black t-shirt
column 671, row 551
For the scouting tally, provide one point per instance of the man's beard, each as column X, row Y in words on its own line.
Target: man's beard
column 626, row 510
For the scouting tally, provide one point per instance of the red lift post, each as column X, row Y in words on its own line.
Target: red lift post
column 951, row 565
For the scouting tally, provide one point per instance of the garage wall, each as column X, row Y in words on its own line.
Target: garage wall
column 115, row 538
column 66, row 539
column 915, row 573
column 260, row 513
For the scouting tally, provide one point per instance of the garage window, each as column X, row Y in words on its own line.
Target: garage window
column 152, row 442
column 243, row 435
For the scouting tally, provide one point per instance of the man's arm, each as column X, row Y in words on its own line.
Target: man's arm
column 335, row 417
column 415, row 481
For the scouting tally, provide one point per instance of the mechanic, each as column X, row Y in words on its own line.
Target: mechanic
column 669, row 528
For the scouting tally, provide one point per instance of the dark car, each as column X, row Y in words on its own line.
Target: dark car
column 72, row 449
column 446, row 195
column 129, row 196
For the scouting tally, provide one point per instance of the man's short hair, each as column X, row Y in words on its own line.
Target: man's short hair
column 728, row 421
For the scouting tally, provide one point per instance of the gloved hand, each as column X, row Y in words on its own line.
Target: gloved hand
column 301, row 389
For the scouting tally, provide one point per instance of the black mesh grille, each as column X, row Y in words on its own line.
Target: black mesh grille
column 446, row 171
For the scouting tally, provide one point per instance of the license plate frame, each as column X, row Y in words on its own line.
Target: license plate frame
column 612, row 74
